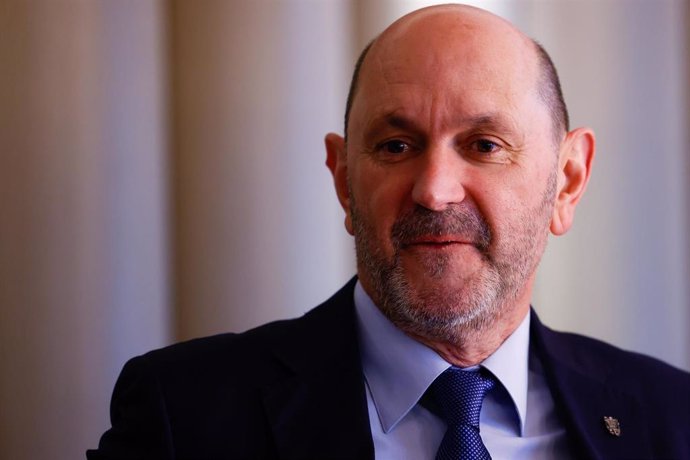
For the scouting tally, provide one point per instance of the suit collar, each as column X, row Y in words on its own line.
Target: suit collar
column 319, row 409
column 582, row 386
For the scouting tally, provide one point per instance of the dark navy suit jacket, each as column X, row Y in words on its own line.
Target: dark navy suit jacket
column 294, row 389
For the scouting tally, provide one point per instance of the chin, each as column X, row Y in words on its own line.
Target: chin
column 444, row 308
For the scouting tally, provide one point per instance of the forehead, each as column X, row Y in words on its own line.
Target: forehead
column 453, row 63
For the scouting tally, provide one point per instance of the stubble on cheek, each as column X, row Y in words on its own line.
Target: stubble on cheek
column 423, row 298
column 427, row 291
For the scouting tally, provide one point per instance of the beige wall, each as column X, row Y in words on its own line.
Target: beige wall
column 162, row 177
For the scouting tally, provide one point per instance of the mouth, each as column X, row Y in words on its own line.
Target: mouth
column 436, row 242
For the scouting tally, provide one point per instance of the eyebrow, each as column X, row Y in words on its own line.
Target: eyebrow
column 493, row 121
column 389, row 120
column 489, row 120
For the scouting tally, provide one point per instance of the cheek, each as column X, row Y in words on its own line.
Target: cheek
column 504, row 200
column 380, row 198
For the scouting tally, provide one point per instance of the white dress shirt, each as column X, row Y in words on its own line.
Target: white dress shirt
column 517, row 420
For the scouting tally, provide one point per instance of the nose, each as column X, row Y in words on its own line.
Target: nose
column 439, row 179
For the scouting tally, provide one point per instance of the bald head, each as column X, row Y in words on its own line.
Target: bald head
column 472, row 28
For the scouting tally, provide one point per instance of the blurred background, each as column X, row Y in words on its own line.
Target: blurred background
column 162, row 177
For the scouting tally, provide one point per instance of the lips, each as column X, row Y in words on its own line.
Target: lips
column 455, row 226
column 436, row 241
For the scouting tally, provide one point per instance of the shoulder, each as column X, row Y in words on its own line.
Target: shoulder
column 629, row 371
column 594, row 355
column 590, row 378
column 263, row 350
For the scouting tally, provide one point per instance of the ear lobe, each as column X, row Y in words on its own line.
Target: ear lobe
column 574, row 168
column 336, row 161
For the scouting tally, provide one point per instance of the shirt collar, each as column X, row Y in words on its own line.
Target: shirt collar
column 510, row 365
column 398, row 369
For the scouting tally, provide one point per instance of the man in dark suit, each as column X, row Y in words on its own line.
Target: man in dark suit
column 456, row 163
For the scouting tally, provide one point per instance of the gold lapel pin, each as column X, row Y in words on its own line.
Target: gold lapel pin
column 613, row 426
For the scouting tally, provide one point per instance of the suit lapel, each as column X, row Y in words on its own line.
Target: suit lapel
column 583, row 389
column 319, row 409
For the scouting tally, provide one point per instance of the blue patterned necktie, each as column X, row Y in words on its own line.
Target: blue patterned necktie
column 458, row 395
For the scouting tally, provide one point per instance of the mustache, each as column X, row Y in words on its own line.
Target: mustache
column 458, row 220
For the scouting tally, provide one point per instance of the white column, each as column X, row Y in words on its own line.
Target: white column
column 259, row 232
column 83, row 228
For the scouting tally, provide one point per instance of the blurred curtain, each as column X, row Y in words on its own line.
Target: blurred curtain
column 258, row 230
column 162, row 178
column 84, row 232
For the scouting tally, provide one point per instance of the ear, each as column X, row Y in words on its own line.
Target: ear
column 336, row 160
column 574, row 167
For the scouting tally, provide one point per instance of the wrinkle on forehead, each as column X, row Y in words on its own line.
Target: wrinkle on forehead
column 439, row 50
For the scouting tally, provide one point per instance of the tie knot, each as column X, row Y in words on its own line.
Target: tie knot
column 459, row 395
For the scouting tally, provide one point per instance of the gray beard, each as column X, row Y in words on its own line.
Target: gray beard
column 452, row 314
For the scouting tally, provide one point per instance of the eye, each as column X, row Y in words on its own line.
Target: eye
column 395, row 147
column 486, row 146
